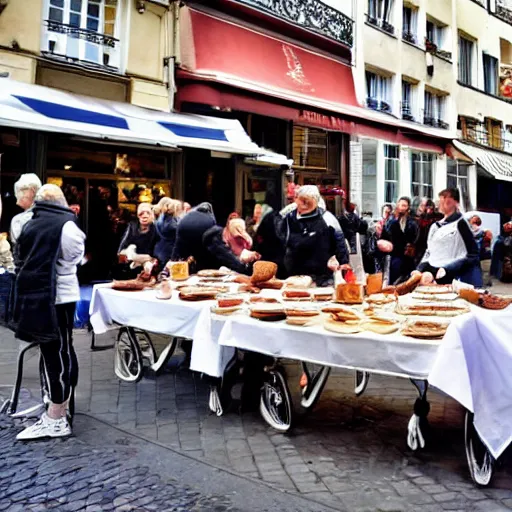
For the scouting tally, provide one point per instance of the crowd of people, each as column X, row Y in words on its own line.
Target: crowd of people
column 304, row 238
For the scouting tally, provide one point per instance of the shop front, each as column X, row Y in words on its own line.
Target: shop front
column 290, row 98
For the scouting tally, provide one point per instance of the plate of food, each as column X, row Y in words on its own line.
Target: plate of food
column 379, row 299
column 195, row 293
column 434, row 296
column 435, row 289
column 296, row 294
column 344, row 321
column 268, row 312
column 301, row 315
column 425, row 329
column 212, row 273
column 382, row 324
column 446, row 308
column 322, row 294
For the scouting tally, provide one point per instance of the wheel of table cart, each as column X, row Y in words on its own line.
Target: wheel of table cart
column 361, row 381
column 316, row 378
column 275, row 401
column 146, row 346
column 480, row 461
column 128, row 363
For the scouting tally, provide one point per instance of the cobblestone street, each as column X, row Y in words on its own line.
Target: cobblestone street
column 348, row 454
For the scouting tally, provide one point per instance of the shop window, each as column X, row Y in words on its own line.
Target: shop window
column 434, row 109
column 466, row 49
column 378, row 92
column 409, row 24
column 391, row 173
column 422, row 184
column 408, row 94
column 490, row 74
column 380, row 13
column 310, row 148
column 457, row 177
column 83, row 30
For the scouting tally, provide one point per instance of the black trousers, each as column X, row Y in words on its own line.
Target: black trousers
column 60, row 363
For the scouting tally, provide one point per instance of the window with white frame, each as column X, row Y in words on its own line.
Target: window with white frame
column 391, row 173
column 466, row 48
column 434, row 109
column 435, row 33
column 408, row 100
column 457, row 176
column 409, row 24
column 83, row 30
column 490, row 74
column 422, row 175
column 380, row 13
column 378, row 91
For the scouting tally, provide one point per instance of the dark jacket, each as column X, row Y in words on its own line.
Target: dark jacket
column 351, row 224
column 144, row 242
column 34, row 317
column 424, row 222
column 166, row 226
column 189, row 238
column 267, row 241
column 394, row 234
column 219, row 254
column 309, row 243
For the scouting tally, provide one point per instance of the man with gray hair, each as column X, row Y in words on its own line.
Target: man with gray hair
column 25, row 190
column 46, row 290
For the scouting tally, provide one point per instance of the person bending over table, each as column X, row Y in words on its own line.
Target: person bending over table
column 314, row 244
column 142, row 234
column 452, row 252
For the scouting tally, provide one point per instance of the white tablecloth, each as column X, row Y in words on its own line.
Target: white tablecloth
column 391, row 355
column 173, row 317
column 473, row 366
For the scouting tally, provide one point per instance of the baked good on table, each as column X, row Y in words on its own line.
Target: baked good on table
column 409, row 285
column 130, row 285
column 338, row 308
column 193, row 293
column 349, row 293
column 255, row 299
column 433, row 309
column 298, row 282
column 381, row 324
column 337, row 324
column 379, row 299
column 271, row 284
column 268, row 312
column 434, row 297
column 425, row 329
column 263, row 271
column 296, row 294
column 301, row 316
column 322, row 294
column 469, row 294
column 489, row 301
column 178, row 270
column 434, row 289
column 227, row 304
column 374, row 283
column 213, row 273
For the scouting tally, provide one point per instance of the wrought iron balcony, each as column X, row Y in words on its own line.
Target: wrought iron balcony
column 312, row 15
column 478, row 133
column 504, row 10
column 406, row 111
column 382, row 24
column 376, row 104
column 409, row 37
column 81, row 33
column 435, row 123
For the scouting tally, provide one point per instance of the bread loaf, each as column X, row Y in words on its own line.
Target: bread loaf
column 263, row 271
column 349, row 293
column 374, row 283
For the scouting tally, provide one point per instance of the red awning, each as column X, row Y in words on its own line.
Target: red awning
column 237, row 58
column 245, row 58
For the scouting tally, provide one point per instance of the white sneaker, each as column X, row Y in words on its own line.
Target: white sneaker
column 45, row 427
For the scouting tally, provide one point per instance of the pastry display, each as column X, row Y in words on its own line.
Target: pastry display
column 374, row 283
column 298, row 282
column 268, row 312
column 322, row 294
column 296, row 294
column 425, row 329
column 379, row 299
column 349, row 293
column 433, row 309
column 263, row 271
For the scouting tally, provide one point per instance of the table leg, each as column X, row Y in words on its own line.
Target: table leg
column 418, row 422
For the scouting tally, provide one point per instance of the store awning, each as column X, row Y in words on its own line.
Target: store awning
column 221, row 51
column 35, row 107
column 498, row 165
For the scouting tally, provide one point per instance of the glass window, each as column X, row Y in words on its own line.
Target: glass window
column 465, row 61
column 378, row 89
column 490, row 74
column 391, row 173
column 407, row 101
column 422, row 174
column 457, row 177
column 409, row 24
column 310, row 147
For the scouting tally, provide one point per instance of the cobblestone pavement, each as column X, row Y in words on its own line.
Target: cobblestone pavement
column 348, row 454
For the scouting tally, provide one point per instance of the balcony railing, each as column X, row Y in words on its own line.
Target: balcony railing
column 384, row 25
column 435, row 50
column 435, row 123
column 406, row 111
column 504, row 10
column 497, row 139
column 409, row 36
column 376, row 104
column 312, row 15
column 81, row 45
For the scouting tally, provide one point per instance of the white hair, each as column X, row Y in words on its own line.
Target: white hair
column 29, row 181
column 310, row 191
column 51, row 194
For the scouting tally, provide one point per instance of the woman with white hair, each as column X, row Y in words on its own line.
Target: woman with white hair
column 25, row 190
column 45, row 294
column 314, row 243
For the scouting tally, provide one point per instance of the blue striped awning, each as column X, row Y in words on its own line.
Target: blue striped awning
column 45, row 109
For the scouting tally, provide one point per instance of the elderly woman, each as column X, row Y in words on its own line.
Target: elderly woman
column 45, row 293
column 139, row 240
column 167, row 213
column 235, row 236
column 25, row 190
column 314, row 244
